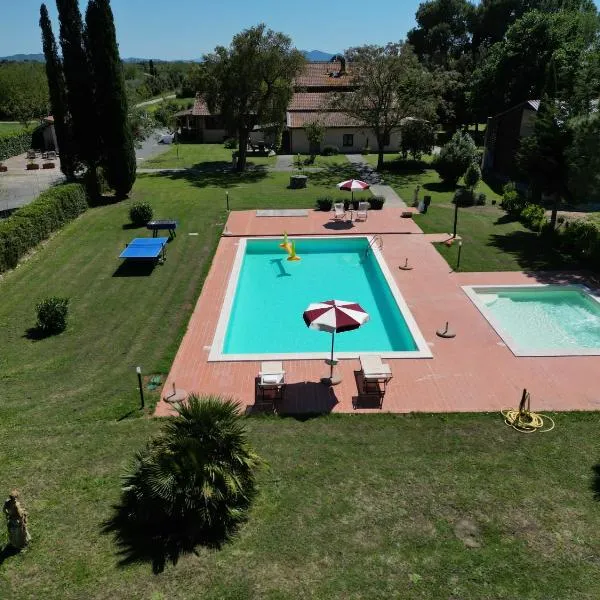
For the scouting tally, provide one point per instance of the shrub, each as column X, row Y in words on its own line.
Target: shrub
column 512, row 201
column 52, row 315
column 324, row 203
column 472, row 176
column 14, row 143
column 377, row 202
column 29, row 225
column 191, row 486
column 230, row 143
column 417, row 138
column 366, row 151
column 455, row 157
column 533, row 216
column 463, row 197
column 480, row 199
column 140, row 213
column 581, row 238
column 330, row 150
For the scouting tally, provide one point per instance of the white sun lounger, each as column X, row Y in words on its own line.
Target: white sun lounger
column 376, row 375
column 339, row 212
column 362, row 213
column 271, row 379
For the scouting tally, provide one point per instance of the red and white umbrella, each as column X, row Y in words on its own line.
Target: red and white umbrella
column 335, row 316
column 353, row 185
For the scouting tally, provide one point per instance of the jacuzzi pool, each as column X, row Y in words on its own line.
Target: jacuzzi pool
column 542, row 320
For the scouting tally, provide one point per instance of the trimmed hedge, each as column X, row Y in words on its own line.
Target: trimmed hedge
column 13, row 144
column 29, row 225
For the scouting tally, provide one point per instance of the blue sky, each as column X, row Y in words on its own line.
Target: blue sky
column 188, row 28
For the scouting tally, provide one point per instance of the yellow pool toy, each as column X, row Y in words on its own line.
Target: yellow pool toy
column 285, row 242
column 291, row 250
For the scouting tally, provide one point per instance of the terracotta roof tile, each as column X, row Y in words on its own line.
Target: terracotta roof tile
column 317, row 74
column 299, row 119
column 200, row 109
column 310, row 101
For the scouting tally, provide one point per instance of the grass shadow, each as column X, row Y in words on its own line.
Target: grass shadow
column 135, row 268
column 595, row 486
column 439, row 187
column 211, row 178
column 7, row 552
column 504, row 219
column 36, row 334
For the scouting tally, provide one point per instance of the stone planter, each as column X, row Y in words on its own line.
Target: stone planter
column 33, row 167
column 48, row 165
column 3, row 168
column 298, row 181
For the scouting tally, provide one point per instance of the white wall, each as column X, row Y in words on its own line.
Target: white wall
column 334, row 136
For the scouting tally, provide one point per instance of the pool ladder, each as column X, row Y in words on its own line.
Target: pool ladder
column 376, row 239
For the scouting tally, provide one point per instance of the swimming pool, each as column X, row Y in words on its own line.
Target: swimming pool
column 542, row 320
column 266, row 295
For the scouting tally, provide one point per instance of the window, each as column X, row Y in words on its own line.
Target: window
column 348, row 139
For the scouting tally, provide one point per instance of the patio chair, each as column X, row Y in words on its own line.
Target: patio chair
column 271, row 380
column 376, row 375
column 362, row 213
column 339, row 212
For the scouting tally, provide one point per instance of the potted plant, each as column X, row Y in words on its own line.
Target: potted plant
column 32, row 165
column 48, row 165
column 3, row 167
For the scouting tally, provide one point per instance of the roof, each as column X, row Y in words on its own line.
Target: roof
column 310, row 101
column 299, row 119
column 200, row 109
column 322, row 74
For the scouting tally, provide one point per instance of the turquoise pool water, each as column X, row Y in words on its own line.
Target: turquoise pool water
column 545, row 319
column 272, row 293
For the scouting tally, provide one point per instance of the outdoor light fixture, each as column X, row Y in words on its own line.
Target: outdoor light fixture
column 227, row 199
column 138, row 370
column 459, row 251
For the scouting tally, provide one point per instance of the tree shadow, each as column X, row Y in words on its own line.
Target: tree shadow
column 494, row 183
column 532, row 252
column 339, row 225
column 440, row 187
column 127, row 226
column 36, row 334
column 595, row 485
column 224, row 178
column 504, row 219
column 7, row 552
column 306, row 400
column 400, row 166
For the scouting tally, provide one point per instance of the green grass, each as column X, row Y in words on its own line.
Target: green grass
column 8, row 128
column 349, row 507
column 183, row 104
column 200, row 156
column 335, row 160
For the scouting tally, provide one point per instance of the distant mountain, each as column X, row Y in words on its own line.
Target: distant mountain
column 24, row 57
column 317, row 55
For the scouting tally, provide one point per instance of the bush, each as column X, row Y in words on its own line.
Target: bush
column 417, row 138
column 52, row 315
column 324, row 203
column 192, row 485
column 463, row 197
column 14, row 143
column 140, row 213
column 230, row 143
column 512, row 201
column 455, row 157
column 533, row 216
column 581, row 238
column 377, row 202
column 330, row 150
column 366, row 151
column 29, row 225
column 480, row 199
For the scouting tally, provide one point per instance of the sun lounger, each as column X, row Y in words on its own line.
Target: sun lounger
column 271, row 380
column 339, row 212
column 376, row 375
column 362, row 213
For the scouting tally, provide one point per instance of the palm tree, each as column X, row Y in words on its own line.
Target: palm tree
column 192, row 485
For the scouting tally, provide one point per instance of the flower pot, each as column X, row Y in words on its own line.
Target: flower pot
column 48, row 165
column 3, row 168
column 33, row 167
column 298, row 181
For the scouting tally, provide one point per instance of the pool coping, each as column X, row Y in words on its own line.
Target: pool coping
column 216, row 349
column 509, row 341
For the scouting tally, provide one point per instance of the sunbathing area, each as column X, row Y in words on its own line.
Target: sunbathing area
column 472, row 371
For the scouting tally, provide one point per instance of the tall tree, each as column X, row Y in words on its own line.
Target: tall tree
column 79, row 85
column 250, row 82
column 390, row 86
column 58, row 95
column 117, row 152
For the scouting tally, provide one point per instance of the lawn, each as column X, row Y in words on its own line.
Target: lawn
column 8, row 128
column 200, row 156
column 183, row 103
column 348, row 507
column 335, row 160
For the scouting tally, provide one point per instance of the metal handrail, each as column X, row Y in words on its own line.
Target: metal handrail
column 375, row 238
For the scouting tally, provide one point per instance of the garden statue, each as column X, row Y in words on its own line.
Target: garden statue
column 16, row 521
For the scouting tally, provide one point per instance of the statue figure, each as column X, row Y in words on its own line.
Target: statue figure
column 16, row 521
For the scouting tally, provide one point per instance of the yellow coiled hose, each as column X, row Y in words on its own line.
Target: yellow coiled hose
column 525, row 421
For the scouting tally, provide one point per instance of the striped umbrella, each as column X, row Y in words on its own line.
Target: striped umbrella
column 335, row 316
column 353, row 185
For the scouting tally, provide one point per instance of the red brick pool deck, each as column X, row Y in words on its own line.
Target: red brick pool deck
column 473, row 372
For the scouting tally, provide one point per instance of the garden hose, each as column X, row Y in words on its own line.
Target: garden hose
column 525, row 421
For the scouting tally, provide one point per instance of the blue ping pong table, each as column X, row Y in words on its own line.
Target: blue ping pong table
column 145, row 249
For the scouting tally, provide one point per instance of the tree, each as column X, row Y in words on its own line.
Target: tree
column 472, row 177
column 191, row 486
column 23, row 91
column 417, row 137
column 58, row 95
column 583, row 158
column 118, row 151
column 79, row 87
column 315, row 133
column 250, row 82
column 391, row 85
column 455, row 157
column 542, row 156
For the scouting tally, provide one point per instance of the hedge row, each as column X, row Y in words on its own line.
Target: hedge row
column 13, row 144
column 29, row 225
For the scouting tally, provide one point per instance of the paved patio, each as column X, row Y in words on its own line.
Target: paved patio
column 473, row 372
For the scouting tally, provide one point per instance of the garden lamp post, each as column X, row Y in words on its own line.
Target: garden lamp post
column 227, row 200
column 459, row 253
column 455, row 216
column 138, row 370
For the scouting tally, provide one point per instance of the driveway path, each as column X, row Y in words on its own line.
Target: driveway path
column 371, row 176
column 156, row 100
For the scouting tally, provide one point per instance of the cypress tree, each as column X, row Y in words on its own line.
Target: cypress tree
column 80, row 87
column 118, row 151
column 58, row 97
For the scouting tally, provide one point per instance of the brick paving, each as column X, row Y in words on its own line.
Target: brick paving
column 473, row 372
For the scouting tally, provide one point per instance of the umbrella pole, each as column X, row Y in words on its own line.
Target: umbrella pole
column 331, row 361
